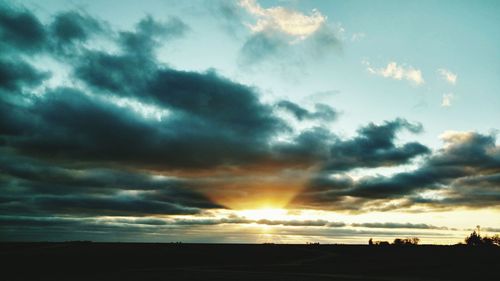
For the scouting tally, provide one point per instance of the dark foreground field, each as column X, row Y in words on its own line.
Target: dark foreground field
column 117, row 261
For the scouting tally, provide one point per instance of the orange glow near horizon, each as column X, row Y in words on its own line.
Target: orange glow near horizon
column 272, row 192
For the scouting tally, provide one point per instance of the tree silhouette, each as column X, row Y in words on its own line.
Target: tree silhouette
column 475, row 239
column 406, row 241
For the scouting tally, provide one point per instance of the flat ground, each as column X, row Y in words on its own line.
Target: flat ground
column 131, row 261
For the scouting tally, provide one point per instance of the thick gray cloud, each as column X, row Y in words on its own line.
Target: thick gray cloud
column 71, row 26
column 35, row 187
column 49, row 178
column 20, row 29
column 16, row 74
column 82, row 131
column 374, row 147
column 464, row 173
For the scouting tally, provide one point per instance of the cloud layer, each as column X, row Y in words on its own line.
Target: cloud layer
column 129, row 136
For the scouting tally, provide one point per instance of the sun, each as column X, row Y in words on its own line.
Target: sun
column 265, row 213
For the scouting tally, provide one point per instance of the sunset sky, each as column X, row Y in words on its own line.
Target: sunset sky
column 249, row 121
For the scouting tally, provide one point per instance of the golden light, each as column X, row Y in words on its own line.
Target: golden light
column 261, row 187
column 267, row 233
column 265, row 213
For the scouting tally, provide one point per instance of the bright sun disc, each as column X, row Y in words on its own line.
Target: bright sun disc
column 269, row 214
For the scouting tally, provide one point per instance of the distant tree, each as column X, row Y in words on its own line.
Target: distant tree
column 415, row 240
column 370, row 242
column 474, row 239
column 398, row 241
column 496, row 240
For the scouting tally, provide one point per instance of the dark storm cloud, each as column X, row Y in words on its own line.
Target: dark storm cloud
column 374, row 147
column 49, row 178
column 206, row 96
column 465, row 172
column 310, row 146
column 20, row 29
column 22, row 33
column 66, row 125
column 216, row 99
column 32, row 186
column 120, row 205
column 72, row 26
column 69, row 27
column 16, row 74
column 470, row 166
column 322, row 111
column 36, row 187
column 121, row 74
column 167, row 201
column 14, row 120
column 128, row 72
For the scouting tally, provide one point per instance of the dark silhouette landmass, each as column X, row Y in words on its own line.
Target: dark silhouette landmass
column 84, row 260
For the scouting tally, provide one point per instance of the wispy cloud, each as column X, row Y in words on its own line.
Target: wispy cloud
column 358, row 36
column 447, row 98
column 448, row 76
column 397, row 72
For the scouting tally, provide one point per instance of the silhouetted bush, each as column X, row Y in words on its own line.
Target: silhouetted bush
column 377, row 243
column 406, row 241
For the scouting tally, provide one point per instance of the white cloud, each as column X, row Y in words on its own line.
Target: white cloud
column 451, row 138
column 446, row 102
column 448, row 76
column 398, row 72
column 286, row 21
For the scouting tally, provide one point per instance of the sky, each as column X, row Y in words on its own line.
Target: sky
column 249, row 121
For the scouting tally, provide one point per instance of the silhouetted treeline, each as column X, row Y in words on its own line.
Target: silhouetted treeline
column 475, row 239
column 398, row 242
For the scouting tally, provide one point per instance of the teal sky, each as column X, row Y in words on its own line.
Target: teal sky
column 358, row 115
